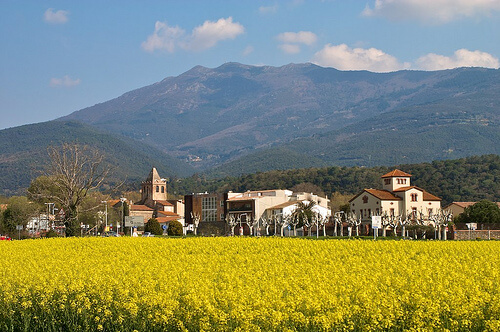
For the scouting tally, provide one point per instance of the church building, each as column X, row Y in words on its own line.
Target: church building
column 154, row 201
column 396, row 198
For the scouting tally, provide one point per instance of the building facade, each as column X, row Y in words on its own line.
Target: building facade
column 396, row 198
column 154, row 201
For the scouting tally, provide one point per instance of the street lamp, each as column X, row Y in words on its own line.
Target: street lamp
column 123, row 200
column 105, row 215
column 48, row 214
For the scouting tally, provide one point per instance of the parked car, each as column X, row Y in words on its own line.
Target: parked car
column 5, row 238
column 110, row 234
column 147, row 234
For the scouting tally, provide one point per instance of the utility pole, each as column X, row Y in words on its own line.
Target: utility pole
column 105, row 215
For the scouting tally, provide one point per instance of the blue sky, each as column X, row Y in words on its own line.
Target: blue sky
column 61, row 56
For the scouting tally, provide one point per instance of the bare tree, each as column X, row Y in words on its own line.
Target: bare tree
column 339, row 221
column 74, row 171
column 232, row 222
column 386, row 221
column 441, row 220
column 250, row 221
column 282, row 222
column 403, row 221
column 266, row 222
column 322, row 221
column 352, row 221
column 393, row 223
column 196, row 220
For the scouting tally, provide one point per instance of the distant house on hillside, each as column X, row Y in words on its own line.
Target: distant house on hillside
column 397, row 197
column 458, row 207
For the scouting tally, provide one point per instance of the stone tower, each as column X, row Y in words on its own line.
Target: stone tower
column 154, row 188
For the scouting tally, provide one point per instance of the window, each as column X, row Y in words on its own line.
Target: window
column 369, row 212
column 391, row 212
column 414, row 213
column 209, row 208
column 430, row 212
column 414, row 197
column 157, row 189
column 162, row 189
column 387, row 181
column 365, row 199
column 377, row 212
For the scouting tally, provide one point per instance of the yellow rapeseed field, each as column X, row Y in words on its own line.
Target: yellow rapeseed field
column 248, row 284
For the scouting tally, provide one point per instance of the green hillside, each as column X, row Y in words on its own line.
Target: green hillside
column 23, row 154
column 466, row 179
column 452, row 128
column 215, row 116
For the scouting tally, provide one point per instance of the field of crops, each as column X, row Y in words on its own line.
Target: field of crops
column 248, row 284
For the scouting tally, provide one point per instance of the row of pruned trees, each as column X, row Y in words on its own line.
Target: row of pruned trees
column 303, row 216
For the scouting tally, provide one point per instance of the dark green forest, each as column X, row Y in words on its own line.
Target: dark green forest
column 467, row 179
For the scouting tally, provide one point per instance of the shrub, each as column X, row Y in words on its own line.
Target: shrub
column 174, row 228
column 153, row 226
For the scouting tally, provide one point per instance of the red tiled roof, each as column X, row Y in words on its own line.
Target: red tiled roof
column 383, row 194
column 464, row 204
column 427, row 196
column 380, row 194
column 407, row 188
column 168, row 214
column 140, row 208
column 395, row 173
column 283, row 205
column 114, row 202
column 244, row 198
column 166, row 219
column 164, row 203
column 430, row 197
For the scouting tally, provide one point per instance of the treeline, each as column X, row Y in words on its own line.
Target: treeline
column 467, row 179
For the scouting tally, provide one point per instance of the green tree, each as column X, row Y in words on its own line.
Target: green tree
column 153, row 226
column 91, row 210
column 18, row 212
column 303, row 214
column 483, row 212
column 174, row 228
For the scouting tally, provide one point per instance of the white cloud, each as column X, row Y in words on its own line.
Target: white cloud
column 249, row 49
column 55, row 17
column 210, row 33
column 163, row 38
column 301, row 37
column 431, row 11
column 268, row 10
column 461, row 58
column 203, row 37
column 345, row 58
column 66, row 81
column 291, row 41
column 290, row 48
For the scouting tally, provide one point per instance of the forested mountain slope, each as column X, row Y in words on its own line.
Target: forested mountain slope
column 23, row 154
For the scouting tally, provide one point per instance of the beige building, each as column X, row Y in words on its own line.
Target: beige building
column 255, row 204
column 397, row 197
column 154, row 201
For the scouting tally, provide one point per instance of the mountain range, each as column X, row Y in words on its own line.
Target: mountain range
column 238, row 119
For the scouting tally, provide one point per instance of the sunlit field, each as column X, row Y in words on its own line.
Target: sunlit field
column 248, row 284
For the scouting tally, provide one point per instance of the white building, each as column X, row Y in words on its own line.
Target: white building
column 397, row 198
